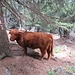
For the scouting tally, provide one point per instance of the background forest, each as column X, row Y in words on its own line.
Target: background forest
column 46, row 15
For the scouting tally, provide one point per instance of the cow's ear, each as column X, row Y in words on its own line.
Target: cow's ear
column 10, row 31
column 26, row 30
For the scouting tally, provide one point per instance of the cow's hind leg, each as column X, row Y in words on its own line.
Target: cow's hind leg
column 49, row 54
column 43, row 52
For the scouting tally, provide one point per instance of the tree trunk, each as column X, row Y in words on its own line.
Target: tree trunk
column 4, row 43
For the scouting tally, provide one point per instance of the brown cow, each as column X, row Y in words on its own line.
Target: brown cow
column 33, row 40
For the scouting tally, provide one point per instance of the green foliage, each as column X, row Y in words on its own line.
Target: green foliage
column 58, row 49
column 67, row 26
column 59, row 11
column 71, row 69
column 51, row 72
column 68, row 70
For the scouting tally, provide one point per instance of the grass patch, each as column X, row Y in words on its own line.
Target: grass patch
column 71, row 69
column 68, row 70
column 51, row 73
column 58, row 49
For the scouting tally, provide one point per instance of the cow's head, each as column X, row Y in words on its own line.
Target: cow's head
column 13, row 34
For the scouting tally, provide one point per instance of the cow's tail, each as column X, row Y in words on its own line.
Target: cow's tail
column 51, row 44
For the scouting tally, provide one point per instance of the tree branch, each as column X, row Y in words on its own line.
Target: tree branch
column 6, row 6
column 42, row 16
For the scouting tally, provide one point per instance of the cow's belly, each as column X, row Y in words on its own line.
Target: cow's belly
column 33, row 46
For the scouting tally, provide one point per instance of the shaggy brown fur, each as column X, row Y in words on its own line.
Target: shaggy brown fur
column 52, row 43
column 33, row 40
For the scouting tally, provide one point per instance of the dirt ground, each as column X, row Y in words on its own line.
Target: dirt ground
column 31, row 65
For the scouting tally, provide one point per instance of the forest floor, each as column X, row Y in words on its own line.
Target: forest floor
column 64, row 55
